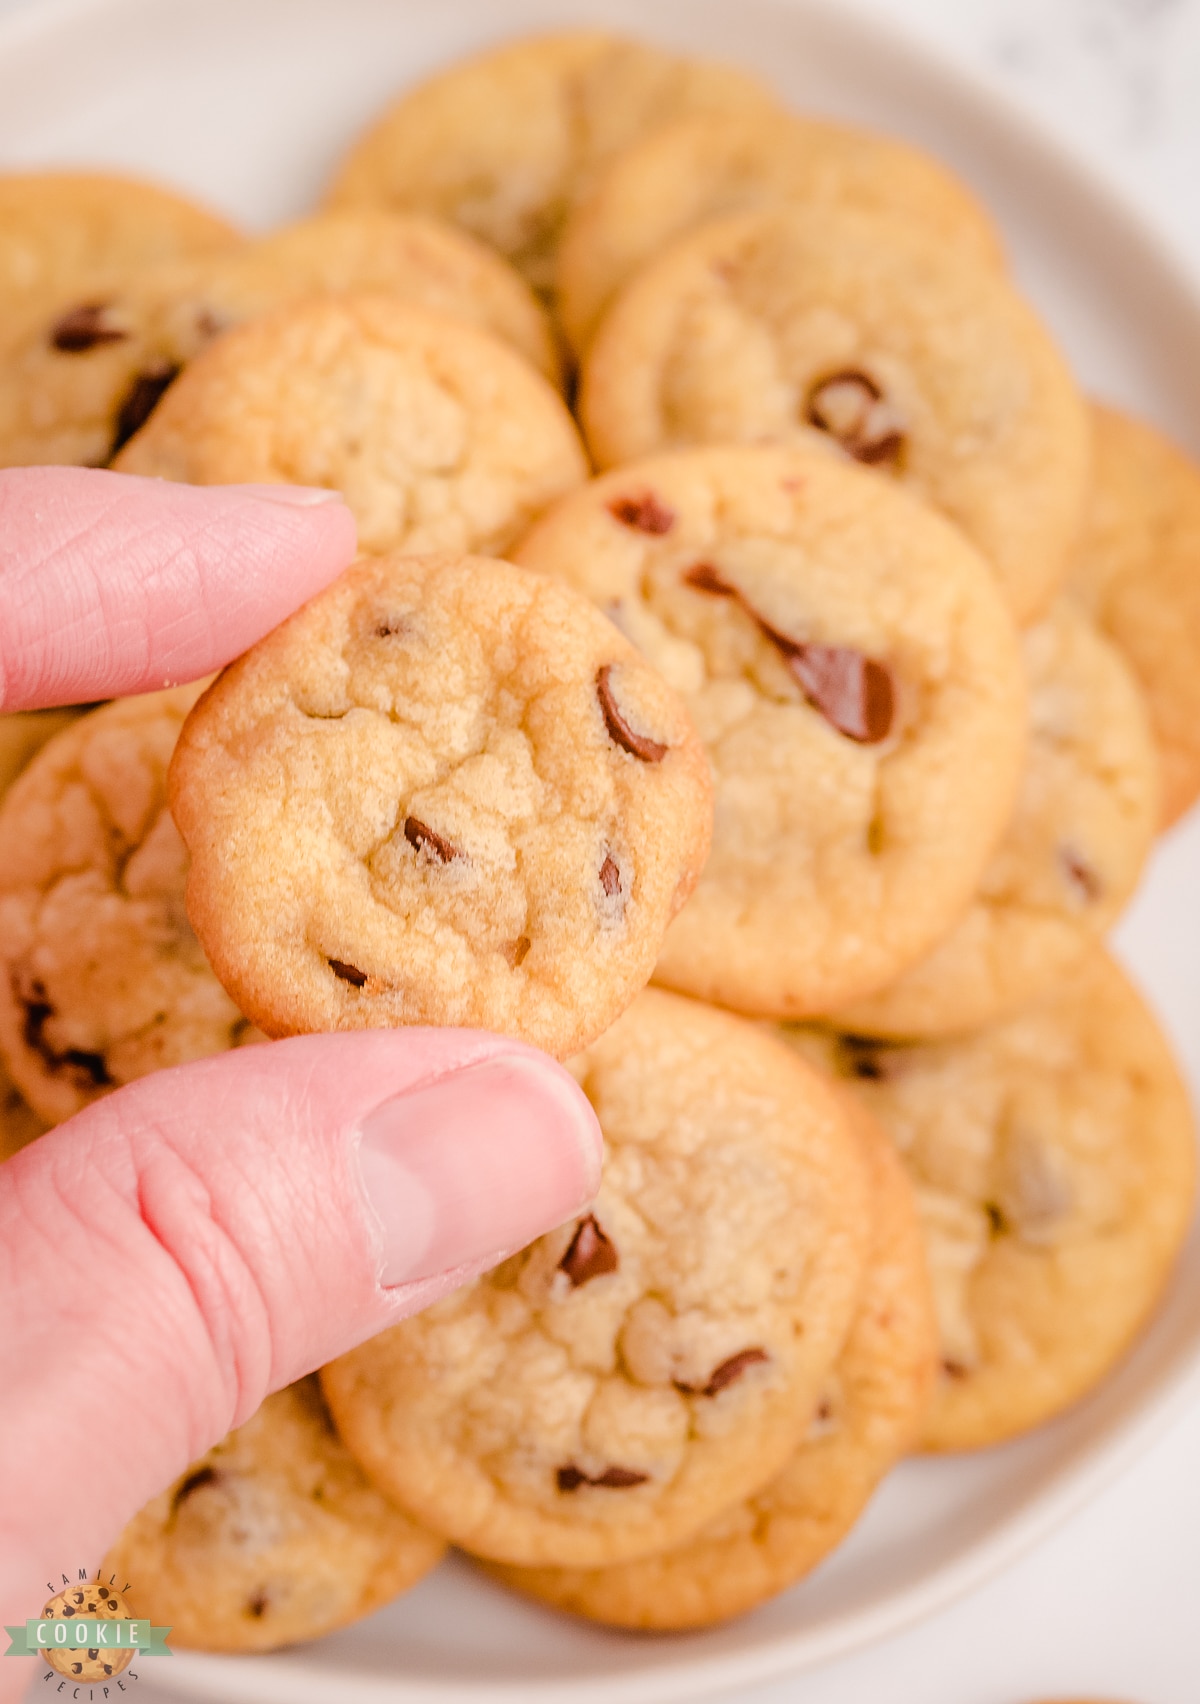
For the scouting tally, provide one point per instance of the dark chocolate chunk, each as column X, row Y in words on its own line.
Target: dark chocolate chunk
column 860, row 1056
column 194, row 1482
column 726, row 1374
column 613, row 1478
column 637, row 745
column 1081, row 875
column 140, row 401
column 86, row 327
column 954, row 1370
column 257, row 1606
column 425, row 839
column 610, row 876
column 851, row 407
column 570, row 1478
column 705, row 578
column 996, row 1220
column 516, row 950
column 348, row 973
column 644, row 513
column 589, row 1254
column 85, row 1069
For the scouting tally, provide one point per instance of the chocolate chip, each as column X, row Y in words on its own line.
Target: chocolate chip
column 84, row 1069
column 997, row 1223
column 422, row 838
column 140, row 401
column 590, row 1254
column 610, row 876
column 194, row 1482
column 516, row 950
column 637, row 745
column 93, row 1654
column 860, row 1056
column 86, row 327
column 257, row 1606
column 348, row 973
column 851, row 407
column 853, row 692
column 644, row 513
column 726, row 1374
column 955, row 1370
column 1081, row 876
column 613, row 1478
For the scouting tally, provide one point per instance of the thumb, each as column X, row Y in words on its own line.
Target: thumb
column 206, row 1235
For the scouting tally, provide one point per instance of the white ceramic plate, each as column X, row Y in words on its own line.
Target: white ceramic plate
column 248, row 102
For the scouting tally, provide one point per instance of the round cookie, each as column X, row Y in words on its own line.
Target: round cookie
column 23, row 733
column 1137, row 573
column 506, row 142
column 680, row 175
column 101, row 977
column 1079, row 838
column 437, row 435
column 274, row 1536
column 918, row 360
column 1054, row 1161
column 96, row 1601
column 857, row 682
column 66, row 232
column 19, row 1124
column 606, row 1392
column 445, row 792
column 77, row 382
column 869, row 1415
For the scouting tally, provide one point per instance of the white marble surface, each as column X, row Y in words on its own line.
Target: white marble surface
column 1107, row 1608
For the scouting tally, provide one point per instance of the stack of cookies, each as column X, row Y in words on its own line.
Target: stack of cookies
column 833, row 668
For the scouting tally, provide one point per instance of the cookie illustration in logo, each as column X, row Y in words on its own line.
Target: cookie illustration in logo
column 94, row 1602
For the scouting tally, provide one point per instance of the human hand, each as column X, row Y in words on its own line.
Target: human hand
column 208, row 1234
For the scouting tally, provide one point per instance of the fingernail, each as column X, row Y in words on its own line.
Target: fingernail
column 292, row 496
column 476, row 1163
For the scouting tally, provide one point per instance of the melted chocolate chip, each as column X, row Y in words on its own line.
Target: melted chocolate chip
column 853, row 692
column 859, row 1056
column 85, row 327
column 348, row 973
column 850, row 406
column 955, row 1370
column 997, row 1223
column 86, row 1070
column 257, row 1605
column 140, row 401
column 590, row 1254
column 422, row 838
column 637, row 745
column 1081, row 876
column 516, row 951
column 644, row 513
column 610, row 876
column 194, row 1482
column 570, row 1478
column 726, row 1374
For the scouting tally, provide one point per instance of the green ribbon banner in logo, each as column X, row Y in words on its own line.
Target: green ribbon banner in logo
column 80, row 1634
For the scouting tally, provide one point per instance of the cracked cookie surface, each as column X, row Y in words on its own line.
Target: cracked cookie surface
column 1082, row 830
column 272, row 1537
column 868, row 1416
column 608, row 1390
column 681, row 174
column 856, row 680
column 1054, row 1161
column 1137, row 573
column 505, row 142
column 438, row 436
column 921, row 363
column 447, row 791
column 101, row 977
column 77, row 380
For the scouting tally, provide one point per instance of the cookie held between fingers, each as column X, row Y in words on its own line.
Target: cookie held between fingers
column 856, row 680
column 438, row 436
column 1054, row 1158
column 447, row 791
column 921, row 363
column 1137, row 573
column 272, row 1537
column 101, row 977
column 504, row 143
column 869, row 1414
column 610, row 1389
column 1081, row 833
column 678, row 175
column 77, row 381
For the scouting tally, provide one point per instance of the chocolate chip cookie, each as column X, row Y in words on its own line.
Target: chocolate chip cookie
column 857, row 682
column 77, row 381
column 505, row 142
column 915, row 359
column 869, row 1414
column 609, row 1390
column 1084, row 824
column 101, row 977
column 23, row 733
column 1054, row 1159
column 272, row 1537
column 1137, row 573
column 447, row 791
column 438, row 436
column 681, row 174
